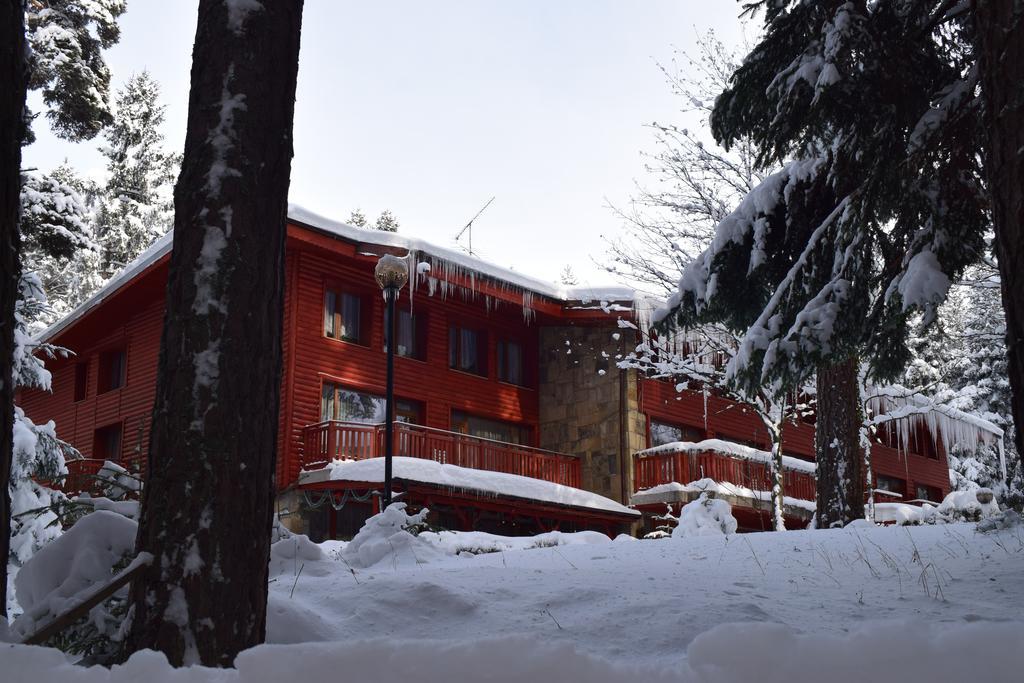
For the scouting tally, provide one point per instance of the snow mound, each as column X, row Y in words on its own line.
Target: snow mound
column 705, row 517
column 296, row 547
column 478, row 542
column 967, row 505
column 958, row 506
column 58, row 576
column 385, row 536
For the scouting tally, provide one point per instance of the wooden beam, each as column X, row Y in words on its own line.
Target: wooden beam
column 64, row 620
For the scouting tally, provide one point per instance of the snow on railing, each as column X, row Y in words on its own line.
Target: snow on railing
column 332, row 440
column 721, row 461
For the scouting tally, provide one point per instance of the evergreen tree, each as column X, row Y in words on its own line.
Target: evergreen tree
column 1000, row 41
column 67, row 38
column 38, row 454
column 57, row 239
column 14, row 76
column 136, row 206
column 878, row 207
column 67, row 65
column 387, row 222
column 357, row 218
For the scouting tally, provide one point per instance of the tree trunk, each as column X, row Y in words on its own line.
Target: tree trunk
column 207, row 506
column 778, row 492
column 837, row 446
column 14, row 77
column 999, row 25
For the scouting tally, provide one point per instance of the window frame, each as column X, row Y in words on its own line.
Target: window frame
column 651, row 421
column 902, row 491
column 503, row 346
column 411, row 408
column 418, row 325
column 104, row 380
column 332, row 323
column 456, row 330
column 101, row 442
column 80, row 388
column 461, row 426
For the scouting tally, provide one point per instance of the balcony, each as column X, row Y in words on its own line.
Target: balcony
column 658, row 466
column 335, row 440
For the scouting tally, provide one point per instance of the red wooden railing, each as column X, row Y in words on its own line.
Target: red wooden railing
column 335, row 440
column 81, row 476
column 652, row 469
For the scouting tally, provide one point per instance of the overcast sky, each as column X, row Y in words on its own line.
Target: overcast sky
column 431, row 108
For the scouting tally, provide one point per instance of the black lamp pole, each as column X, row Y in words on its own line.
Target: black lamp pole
column 391, row 274
column 390, row 294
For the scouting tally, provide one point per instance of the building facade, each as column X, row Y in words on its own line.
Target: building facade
column 513, row 415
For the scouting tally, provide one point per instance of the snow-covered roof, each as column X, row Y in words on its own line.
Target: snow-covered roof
column 730, row 448
column 464, row 478
column 443, row 263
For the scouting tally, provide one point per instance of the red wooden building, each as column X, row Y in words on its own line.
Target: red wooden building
column 514, row 417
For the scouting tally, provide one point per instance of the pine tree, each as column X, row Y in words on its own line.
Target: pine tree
column 877, row 209
column 56, row 230
column 67, row 65
column 136, row 206
column 1000, row 39
column 38, row 454
column 14, row 76
column 357, row 218
column 207, row 505
column 67, row 39
column 387, row 222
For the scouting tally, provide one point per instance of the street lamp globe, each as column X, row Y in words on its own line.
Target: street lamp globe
column 391, row 273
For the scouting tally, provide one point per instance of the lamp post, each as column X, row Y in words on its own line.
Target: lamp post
column 391, row 274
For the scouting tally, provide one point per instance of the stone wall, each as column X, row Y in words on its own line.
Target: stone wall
column 590, row 408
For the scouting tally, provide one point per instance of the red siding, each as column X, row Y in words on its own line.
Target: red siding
column 130, row 405
column 309, row 357
column 441, row 390
column 725, row 420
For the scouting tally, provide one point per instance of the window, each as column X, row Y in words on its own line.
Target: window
column 106, row 443
column 343, row 316
column 81, row 380
column 467, row 350
column 112, row 370
column 890, row 485
column 930, row 493
column 496, row 430
column 410, row 335
column 510, row 362
column 663, row 433
column 340, row 403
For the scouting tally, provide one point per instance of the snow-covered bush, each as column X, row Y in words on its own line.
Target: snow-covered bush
column 967, row 506
column 69, row 569
column 387, row 536
column 705, row 516
column 959, row 506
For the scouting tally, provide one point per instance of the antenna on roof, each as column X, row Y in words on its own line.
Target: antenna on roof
column 469, row 226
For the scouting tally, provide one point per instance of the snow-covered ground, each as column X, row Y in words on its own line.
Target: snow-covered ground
column 935, row 603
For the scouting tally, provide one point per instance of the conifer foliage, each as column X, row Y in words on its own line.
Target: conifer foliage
column 67, row 39
column 880, row 204
column 14, row 76
column 136, row 205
